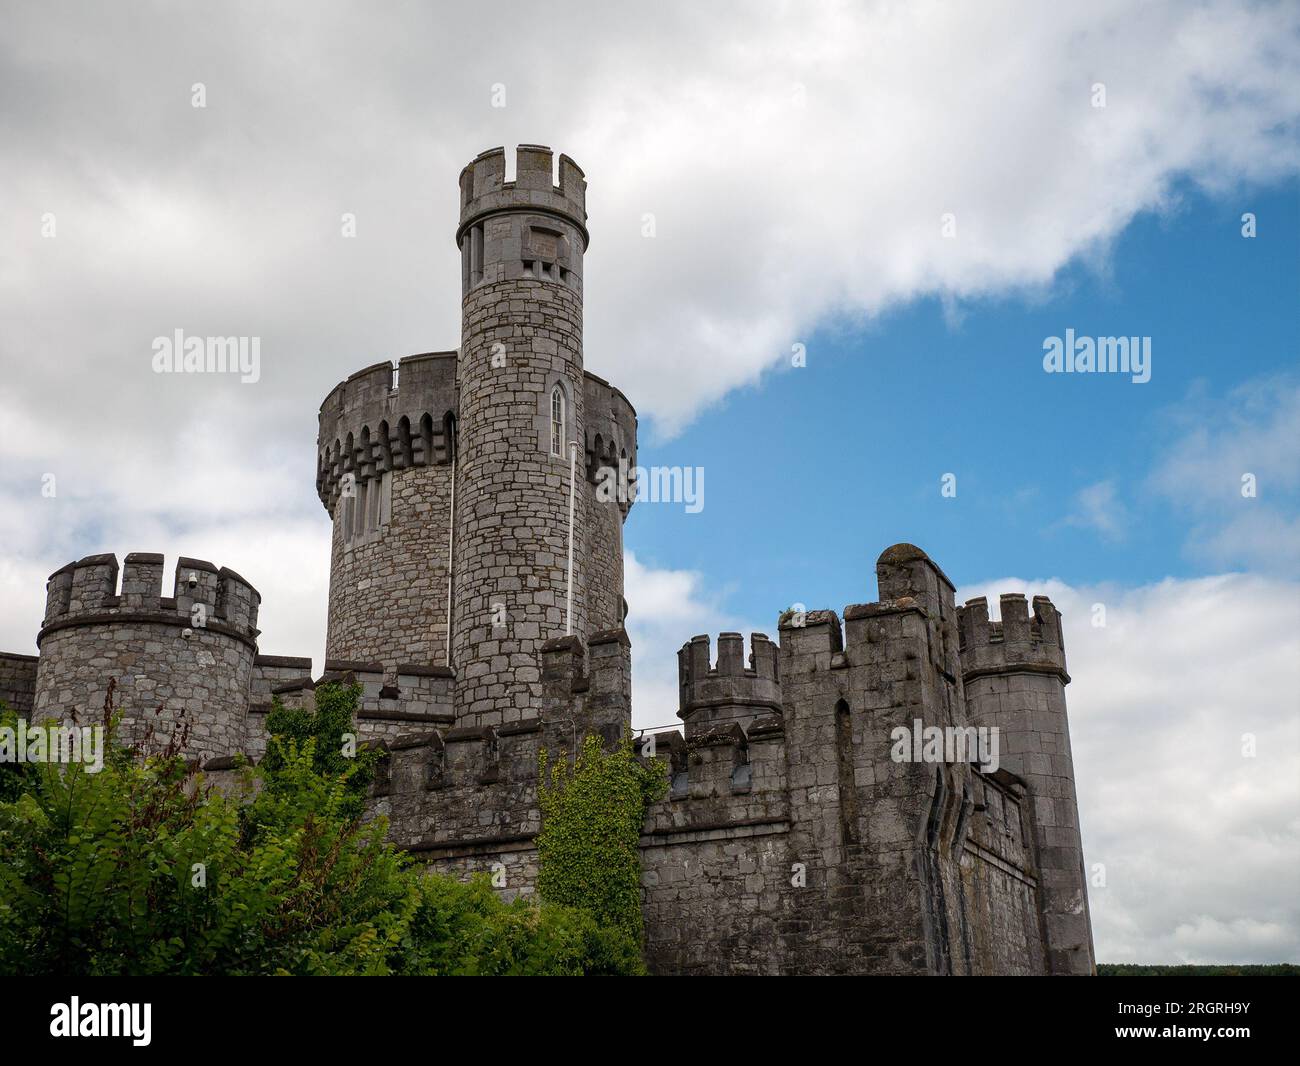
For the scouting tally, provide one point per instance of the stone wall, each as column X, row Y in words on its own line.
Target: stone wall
column 793, row 839
column 18, row 682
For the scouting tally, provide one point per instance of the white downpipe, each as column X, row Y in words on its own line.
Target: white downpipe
column 568, row 595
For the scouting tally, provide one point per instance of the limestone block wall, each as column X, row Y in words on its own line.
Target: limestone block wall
column 384, row 473
column 802, row 843
column 717, row 879
column 792, row 841
column 183, row 661
column 18, row 682
column 998, row 889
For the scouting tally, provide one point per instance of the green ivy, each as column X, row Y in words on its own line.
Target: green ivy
column 330, row 731
column 592, row 814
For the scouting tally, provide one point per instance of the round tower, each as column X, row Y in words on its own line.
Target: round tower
column 384, row 459
column 180, row 662
column 522, row 405
column 1014, row 676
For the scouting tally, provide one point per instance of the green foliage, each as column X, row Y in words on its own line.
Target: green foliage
column 140, row 869
column 592, row 814
column 335, row 751
column 13, row 775
column 464, row 929
column 143, row 868
column 1128, row 969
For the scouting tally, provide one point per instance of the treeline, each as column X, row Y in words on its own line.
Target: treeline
column 1129, row 969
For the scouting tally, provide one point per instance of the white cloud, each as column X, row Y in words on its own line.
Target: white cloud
column 665, row 609
column 1201, row 845
column 798, row 163
column 1233, row 469
column 1098, row 507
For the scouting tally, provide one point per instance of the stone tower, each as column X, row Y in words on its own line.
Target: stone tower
column 1014, row 675
column 180, row 662
column 384, row 474
column 448, row 480
column 521, row 404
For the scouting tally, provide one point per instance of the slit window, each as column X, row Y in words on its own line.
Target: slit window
column 557, row 421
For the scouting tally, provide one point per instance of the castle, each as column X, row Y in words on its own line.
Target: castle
column 793, row 839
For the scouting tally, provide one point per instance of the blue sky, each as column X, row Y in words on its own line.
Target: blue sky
column 811, row 471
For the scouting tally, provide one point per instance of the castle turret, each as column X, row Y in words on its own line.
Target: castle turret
column 733, row 690
column 522, row 403
column 384, row 455
column 180, row 662
column 1015, row 677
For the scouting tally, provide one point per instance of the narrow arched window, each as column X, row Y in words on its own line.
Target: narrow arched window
column 557, row 421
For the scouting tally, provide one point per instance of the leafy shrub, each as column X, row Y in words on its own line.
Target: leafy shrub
column 145, row 868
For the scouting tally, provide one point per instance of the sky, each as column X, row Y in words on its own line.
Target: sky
column 908, row 200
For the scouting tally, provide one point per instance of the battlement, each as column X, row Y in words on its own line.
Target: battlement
column 464, row 757
column 378, row 421
column 610, row 427
column 484, row 190
column 86, row 592
column 735, row 688
column 588, row 684
column 727, row 775
column 527, row 230
column 1017, row 642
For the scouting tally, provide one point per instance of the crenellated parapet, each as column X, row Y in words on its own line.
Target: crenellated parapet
column 1020, row 641
column 394, row 700
column 379, row 421
column 725, row 776
column 588, row 684
column 610, row 428
column 181, row 664
column 734, row 689
column 531, row 228
column 88, row 593
column 458, row 790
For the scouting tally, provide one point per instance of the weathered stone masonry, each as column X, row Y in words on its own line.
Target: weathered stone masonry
column 791, row 839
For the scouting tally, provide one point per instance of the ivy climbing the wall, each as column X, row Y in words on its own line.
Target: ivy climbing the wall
column 592, row 814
